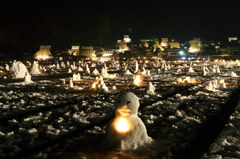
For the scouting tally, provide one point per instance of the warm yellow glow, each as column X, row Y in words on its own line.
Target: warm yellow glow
column 122, row 125
column 193, row 50
column 164, row 43
column 94, row 85
column 193, row 81
column 43, row 54
column 180, row 80
column 187, row 79
column 42, row 57
column 137, row 79
column 221, row 81
column 112, row 76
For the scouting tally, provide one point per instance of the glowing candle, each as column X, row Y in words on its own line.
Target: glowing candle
column 179, row 80
column 187, row 79
column 122, row 125
column 94, row 85
column 221, row 81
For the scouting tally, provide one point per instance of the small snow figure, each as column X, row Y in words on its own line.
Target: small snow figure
column 210, row 86
column 222, row 84
column 58, row 67
column 7, row 67
column 28, row 78
column 150, row 88
column 62, row 82
column 204, row 72
column 218, row 70
column 63, row 64
column 74, row 76
column 148, row 73
column 80, row 68
column 95, row 72
column 78, row 76
column 34, row 69
column 190, row 69
column 126, row 130
column 87, row 69
column 69, row 70
column 127, row 72
column 70, row 83
column 136, row 67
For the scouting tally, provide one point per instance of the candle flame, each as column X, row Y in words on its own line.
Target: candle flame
column 122, row 125
column 94, row 85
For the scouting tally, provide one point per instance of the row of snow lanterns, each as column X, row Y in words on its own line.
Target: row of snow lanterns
column 186, row 80
column 98, row 83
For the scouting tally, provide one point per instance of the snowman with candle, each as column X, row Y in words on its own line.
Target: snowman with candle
column 126, row 131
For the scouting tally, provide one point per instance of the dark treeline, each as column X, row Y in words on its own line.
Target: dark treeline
column 24, row 27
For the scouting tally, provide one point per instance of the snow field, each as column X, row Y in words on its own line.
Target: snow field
column 177, row 120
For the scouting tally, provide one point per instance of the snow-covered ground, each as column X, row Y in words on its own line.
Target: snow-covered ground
column 226, row 145
column 49, row 119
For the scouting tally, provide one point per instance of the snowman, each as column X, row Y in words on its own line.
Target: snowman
column 126, row 130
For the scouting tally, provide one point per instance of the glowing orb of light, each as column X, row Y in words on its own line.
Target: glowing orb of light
column 122, row 125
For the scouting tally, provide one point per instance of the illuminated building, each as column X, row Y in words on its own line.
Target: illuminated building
column 164, row 42
column 195, row 46
column 175, row 53
column 232, row 39
column 174, row 45
column 87, row 51
column 75, row 50
column 122, row 46
column 43, row 53
column 126, row 39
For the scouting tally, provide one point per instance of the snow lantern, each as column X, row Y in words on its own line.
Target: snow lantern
column 80, row 68
column 95, row 72
column 187, row 79
column 190, row 69
column 94, row 84
column 179, row 80
column 137, row 79
column 222, row 83
column 150, row 88
column 126, row 130
column 78, row 76
column 70, row 82
column 74, row 77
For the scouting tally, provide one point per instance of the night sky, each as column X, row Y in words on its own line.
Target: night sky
column 30, row 23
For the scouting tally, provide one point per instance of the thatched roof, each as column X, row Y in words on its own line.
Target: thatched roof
column 42, row 53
